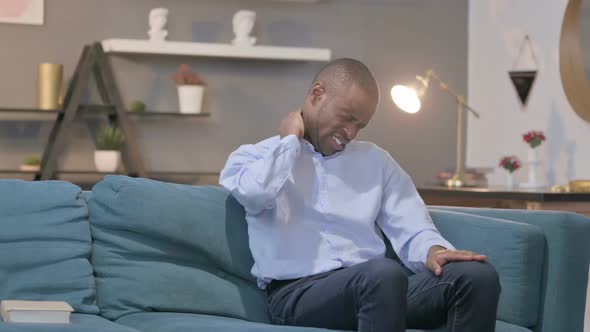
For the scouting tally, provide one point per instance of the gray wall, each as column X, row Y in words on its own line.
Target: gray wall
column 397, row 39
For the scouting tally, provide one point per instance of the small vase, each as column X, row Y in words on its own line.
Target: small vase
column 50, row 78
column 510, row 180
column 533, row 163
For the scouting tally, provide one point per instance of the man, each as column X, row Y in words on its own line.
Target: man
column 316, row 202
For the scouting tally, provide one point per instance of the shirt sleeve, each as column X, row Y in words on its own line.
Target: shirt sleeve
column 405, row 220
column 256, row 173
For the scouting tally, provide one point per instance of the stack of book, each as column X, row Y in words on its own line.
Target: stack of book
column 57, row 312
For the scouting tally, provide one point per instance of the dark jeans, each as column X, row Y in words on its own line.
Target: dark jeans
column 378, row 296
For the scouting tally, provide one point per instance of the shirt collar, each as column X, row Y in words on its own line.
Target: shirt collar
column 307, row 146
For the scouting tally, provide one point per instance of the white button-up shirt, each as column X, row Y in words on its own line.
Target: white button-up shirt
column 309, row 214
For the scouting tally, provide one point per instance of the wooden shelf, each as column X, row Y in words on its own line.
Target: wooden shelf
column 25, row 114
column 16, row 171
column 215, row 50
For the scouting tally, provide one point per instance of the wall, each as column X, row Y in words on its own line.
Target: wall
column 247, row 99
column 496, row 29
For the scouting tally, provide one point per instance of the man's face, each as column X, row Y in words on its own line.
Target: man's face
column 334, row 119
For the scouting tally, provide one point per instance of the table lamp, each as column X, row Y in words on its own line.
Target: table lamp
column 407, row 98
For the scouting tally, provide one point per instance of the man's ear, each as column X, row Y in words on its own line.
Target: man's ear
column 317, row 92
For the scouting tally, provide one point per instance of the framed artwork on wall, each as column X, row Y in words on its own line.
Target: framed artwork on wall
column 22, row 11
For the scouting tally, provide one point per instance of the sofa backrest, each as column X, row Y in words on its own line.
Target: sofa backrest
column 170, row 247
column 45, row 244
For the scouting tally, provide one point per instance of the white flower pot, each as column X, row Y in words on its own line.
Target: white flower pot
column 190, row 98
column 107, row 160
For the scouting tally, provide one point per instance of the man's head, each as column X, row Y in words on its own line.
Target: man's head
column 341, row 101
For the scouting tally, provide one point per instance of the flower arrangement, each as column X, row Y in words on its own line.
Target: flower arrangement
column 510, row 163
column 185, row 76
column 534, row 138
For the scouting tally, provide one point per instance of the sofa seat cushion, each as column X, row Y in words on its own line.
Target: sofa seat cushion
column 180, row 322
column 79, row 323
column 45, row 244
column 170, row 247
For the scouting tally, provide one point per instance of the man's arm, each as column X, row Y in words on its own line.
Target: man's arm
column 256, row 173
column 405, row 220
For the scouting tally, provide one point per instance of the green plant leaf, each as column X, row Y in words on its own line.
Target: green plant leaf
column 110, row 138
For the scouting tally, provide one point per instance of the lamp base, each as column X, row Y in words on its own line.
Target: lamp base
column 457, row 181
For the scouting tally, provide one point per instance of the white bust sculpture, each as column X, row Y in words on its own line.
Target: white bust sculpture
column 243, row 22
column 158, row 19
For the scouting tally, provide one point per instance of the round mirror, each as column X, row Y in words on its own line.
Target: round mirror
column 574, row 56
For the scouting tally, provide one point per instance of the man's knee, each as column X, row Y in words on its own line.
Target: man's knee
column 482, row 276
column 384, row 272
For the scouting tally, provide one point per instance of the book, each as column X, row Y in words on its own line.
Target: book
column 57, row 312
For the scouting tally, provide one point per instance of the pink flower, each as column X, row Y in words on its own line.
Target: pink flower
column 185, row 76
column 510, row 163
column 534, row 138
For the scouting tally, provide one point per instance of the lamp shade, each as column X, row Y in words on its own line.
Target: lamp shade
column 405, row 98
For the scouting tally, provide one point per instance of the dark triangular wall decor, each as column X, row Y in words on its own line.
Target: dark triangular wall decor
column 523, row 81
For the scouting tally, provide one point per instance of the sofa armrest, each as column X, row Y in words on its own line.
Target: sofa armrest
column 512, row 248
column 567, row 255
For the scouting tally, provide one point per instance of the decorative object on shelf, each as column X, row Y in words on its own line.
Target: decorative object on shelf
column 158, row 18
column 408, row 100
column 22, row 11
column 243, row 23
column 50, row 83
column 109, row 142
column 511, row 164
column 574, row 186
column 534, row 140
column 137, row 106
column 190, row 90
column 31, row 164
column 523, row 80
column 474, row 177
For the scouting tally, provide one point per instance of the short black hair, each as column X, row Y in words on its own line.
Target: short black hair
column 344, row 72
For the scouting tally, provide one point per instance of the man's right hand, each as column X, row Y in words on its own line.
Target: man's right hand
column 292, row 124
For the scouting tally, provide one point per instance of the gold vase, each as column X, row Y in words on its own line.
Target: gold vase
column 50, row 86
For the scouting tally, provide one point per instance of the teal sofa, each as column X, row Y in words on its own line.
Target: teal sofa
column 141, row 255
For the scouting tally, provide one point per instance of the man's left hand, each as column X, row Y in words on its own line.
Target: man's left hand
column 439, row 256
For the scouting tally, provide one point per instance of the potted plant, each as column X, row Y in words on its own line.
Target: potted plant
column 108, row 145
column 190, row 89
column 533, row 139
column 137, row 106
column 31, row 164
column 511, row 164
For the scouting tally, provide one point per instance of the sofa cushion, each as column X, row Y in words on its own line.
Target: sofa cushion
column 169, row 247
column 176, row 322
column 45, row 244
column 516, row 251
column 79, row 323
